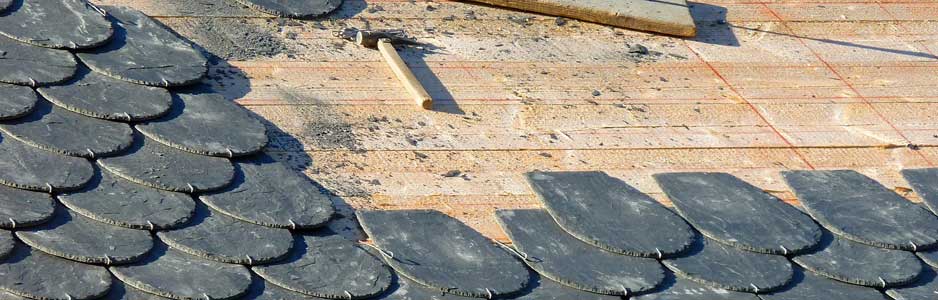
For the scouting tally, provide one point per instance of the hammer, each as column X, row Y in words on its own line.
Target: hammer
column 384, row 41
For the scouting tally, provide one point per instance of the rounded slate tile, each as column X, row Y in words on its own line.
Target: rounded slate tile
column 731, row 211
column 33, row 274
column 81, row 239
column 173, row 274
column 925, row 288
column 438, row 251
column 22, row 208
column 54, row 129
column 806, row 285
column 608, row 213
column 98, row 96
column 78, row 25
column 208, row 124
column 266, row 192
column 116, row 201
column 263, row 290
column 925, row 183
column 294, row 8
column 145, row 52
column 546, row 289
column 929, row 257
column 861, row 264
column 858, row 208
column 6, row 244
column 677, row 288
column 121, row 291
column 29, row 168
column 329, row 267
column 560, row 257
column 152, row 164
column 16, row 101
column 727, row 267
column 406, row 289
column 221, row 238
column 24, row 64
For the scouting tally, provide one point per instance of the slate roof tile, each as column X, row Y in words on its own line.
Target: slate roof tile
column 16, row 101
column 923, row 181
column 98, row 96
column 726, row 267
column 807, row 285
column 930, row 257
column 7, row 244
column 23, row 166
column 925, row 288
column 52, row 128
column 152, row 164
column 294, row 8
column 22, row 208
column 679, row 288
column 861, row 264
column 72, row 236
column 33, row 274
column 34, row 66
column 28, row 22
column 177, row 275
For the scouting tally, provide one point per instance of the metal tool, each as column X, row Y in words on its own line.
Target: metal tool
column 384, row 41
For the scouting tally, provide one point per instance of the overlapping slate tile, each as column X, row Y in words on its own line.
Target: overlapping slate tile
column 5, row 4
column 263, row 290
column 560, row 257
column 546, row 289
column 608, row 213
column 329, row 267
column 294, row 8
column 925, row 288
column 806, row 285
column 6, row 244
column 152, row 164
column 224, row 239
column 16, row 101
column 25, row 64
column 71, row 24
column 208, row 124
column 861, row 264
column 266, row 192
column 930, row 257
column 406, row 289
column 438, row 251
column 33, row 274
column 98, row 96
column 121, row 291
column 21, row 208
column 726, row 267
column 145, row 52
column 117, row 201
column 30, row 168
column 678, row 288
column 858, row 208
column 734, row 212
column 174, row 274
column 925, row 184
column 74, row 237
column 58, row 130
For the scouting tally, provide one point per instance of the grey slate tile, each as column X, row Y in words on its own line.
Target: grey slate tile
column 608, row 213
column 930, row 257
column 174, row 274
column 26, row 167
column 33, row 274
column 266, row 192
column 560, row 257
column 202, row 124
column 152, row 164
column 58, row 130
column 30, row 65
column 121, row 291
column 294, row 8
column 736, row 213
column 16, row 101
column 858, row 208
column 925, row 288
column 21, row 208
column 861, row 264
column 98, row 96
column 74, row 237
column 678, row 288
column 809, row 286
column 726, row 267
column 29, row 22
column 438, row 251
column 144, row 51
column 5, row 4
column 546, row 289
column 406, row 289
column 925, row 183
column 263, row 290
column 6, row 244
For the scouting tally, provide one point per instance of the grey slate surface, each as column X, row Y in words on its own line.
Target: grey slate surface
column 24, row 64
column 202, row 124
column 726, row 267
column 329, row 267
column 33, row 274
column 145, row 52
column 560, row 257
column 294, row 8
column 122, row 291
column 7, row 244
column 98, row 96
column 925, row 184
column 22, row 208
column 929, row 257
column 806, row 285
column 16, row 101
column 23, row 166
column 76, row 24
column 861, row 264
column 52, row 128
column 263, row 290
column 608, row 213
column 925, row 288
column 152, row 164
column 5, row 4
column 438, row 251
column 678, row 288
column 74, row 237
column 734, row 212
column 858, row 208
column 173, row 274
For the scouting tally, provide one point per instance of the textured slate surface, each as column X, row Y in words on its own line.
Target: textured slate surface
column 173, row 274
column 6, row 243
column 925, row 288
column 152, row 164
column 294, row 8
column 608, row 213
column 727, row 267
column 121, row 291
column 545, row 289
column 406, row 289
column 925, row 184
column 77, row 25
column 221, row 238
column 25, row 64
column 930, row 257
column 329, row 267
column 33, row 274
column 861, row 264
column 734, row 212
column 116, row 201
column 16, row 101
column 58, row 130
column 98, row 96
column 145, row 52
column 22, row 208
column 5, row 4
column 266, row 192
column 677, row 288
column 202, row 124
column 806, row 285
column 436, row 250
column 560, row 257
column 81, row 239
column 26, row 167
column 8, row 296
column 860, row 209
column 263, row 290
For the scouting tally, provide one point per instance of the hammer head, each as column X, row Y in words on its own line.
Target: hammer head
column 370, row 38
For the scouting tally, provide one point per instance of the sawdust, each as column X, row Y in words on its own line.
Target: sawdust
column 238, row 39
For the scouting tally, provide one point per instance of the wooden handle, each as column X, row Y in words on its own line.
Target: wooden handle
column 404, row 74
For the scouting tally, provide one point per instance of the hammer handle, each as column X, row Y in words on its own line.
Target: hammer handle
column 404, row 74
